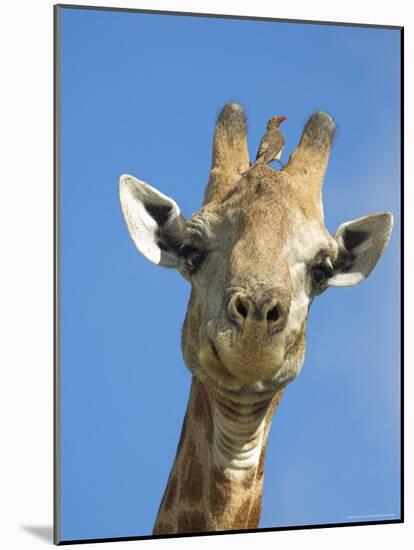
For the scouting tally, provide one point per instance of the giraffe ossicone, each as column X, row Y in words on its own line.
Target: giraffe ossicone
column 256, row 255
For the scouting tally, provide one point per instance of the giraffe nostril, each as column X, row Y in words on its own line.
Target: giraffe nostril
column 238, row 309
column 241, row 309
column 273, row 314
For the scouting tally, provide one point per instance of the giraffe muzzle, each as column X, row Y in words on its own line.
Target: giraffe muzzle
column 268, row 311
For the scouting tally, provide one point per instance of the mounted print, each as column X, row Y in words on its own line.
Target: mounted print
column 228, row 274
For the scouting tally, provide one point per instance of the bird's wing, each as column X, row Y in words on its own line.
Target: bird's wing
column 263, row 147
column 279, row 140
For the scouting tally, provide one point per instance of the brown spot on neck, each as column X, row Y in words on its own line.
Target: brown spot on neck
column 191, row 488
column 191, row 521
column 171, row 492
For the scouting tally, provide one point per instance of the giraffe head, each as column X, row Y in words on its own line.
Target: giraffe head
column 256, row 254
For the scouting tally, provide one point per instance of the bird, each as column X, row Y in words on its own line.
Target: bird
column 272, row 143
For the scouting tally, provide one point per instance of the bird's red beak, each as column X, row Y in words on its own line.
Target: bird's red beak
column 282, row 118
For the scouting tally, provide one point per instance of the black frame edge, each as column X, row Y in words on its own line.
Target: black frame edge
column 232, row 532
column 402, row 309
column 229, row 16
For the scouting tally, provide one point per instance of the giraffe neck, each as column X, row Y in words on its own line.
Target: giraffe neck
column 216, row 479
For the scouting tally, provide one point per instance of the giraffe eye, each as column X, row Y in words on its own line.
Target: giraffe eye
column 193, row 257
column 321, row 273
column 193, row 260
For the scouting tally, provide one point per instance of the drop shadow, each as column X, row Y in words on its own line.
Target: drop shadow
column 44, row 532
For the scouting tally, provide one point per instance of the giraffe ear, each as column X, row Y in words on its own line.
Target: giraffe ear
column 361, row 244
column 154, row 221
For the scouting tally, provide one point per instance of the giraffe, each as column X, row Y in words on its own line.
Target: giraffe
column 256, row 255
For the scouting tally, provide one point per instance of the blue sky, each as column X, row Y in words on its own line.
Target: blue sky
column 140, row 94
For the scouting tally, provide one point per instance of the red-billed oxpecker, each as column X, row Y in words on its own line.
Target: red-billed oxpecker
column 272, row 143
